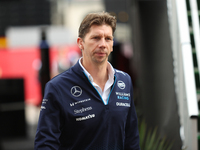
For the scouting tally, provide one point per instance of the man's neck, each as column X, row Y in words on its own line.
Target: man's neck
column 98, row 72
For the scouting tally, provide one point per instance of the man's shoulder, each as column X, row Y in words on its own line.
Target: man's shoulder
column 69, row 74
column 121, row 73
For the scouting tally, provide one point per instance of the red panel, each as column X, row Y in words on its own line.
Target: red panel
column 24, row 63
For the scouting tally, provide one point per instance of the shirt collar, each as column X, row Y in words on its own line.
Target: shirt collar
column 110, row 68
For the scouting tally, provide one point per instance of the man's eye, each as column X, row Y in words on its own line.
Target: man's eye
column 108, row 39
column 96, row 37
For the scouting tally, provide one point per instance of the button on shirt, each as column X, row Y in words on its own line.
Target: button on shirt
column 104, row 94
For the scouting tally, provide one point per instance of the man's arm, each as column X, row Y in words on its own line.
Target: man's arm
column 48, row 130
column 132, row 133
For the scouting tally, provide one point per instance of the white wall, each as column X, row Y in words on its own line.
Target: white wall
column 76, row 11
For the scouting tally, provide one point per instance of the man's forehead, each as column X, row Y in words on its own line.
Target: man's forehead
column 98, row 29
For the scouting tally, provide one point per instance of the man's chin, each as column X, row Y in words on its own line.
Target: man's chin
column 100, row 60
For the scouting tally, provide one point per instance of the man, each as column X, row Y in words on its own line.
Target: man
column 90, row 106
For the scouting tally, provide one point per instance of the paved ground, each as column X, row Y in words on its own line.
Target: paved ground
column 24, row 143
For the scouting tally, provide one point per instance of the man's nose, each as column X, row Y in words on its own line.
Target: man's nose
column 102, row 43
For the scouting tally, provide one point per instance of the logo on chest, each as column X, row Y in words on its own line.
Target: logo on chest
column 82, row 110
column 79, row 102
column 76, row 91
column 121, row 84
column 122, row 95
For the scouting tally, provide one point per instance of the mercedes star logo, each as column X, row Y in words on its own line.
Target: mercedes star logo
column 76, row 91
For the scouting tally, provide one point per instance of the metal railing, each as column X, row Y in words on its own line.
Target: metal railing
column 184, row 70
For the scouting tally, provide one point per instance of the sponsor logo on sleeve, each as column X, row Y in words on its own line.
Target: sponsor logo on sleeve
column 44, row 102
column 43, row 107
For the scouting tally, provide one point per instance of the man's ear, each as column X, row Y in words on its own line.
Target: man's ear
column 80, row 43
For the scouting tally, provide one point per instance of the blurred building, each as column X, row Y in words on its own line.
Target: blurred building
column 165, row 36
column 23, row 13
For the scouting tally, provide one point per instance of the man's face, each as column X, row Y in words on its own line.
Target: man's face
column 97, row 44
